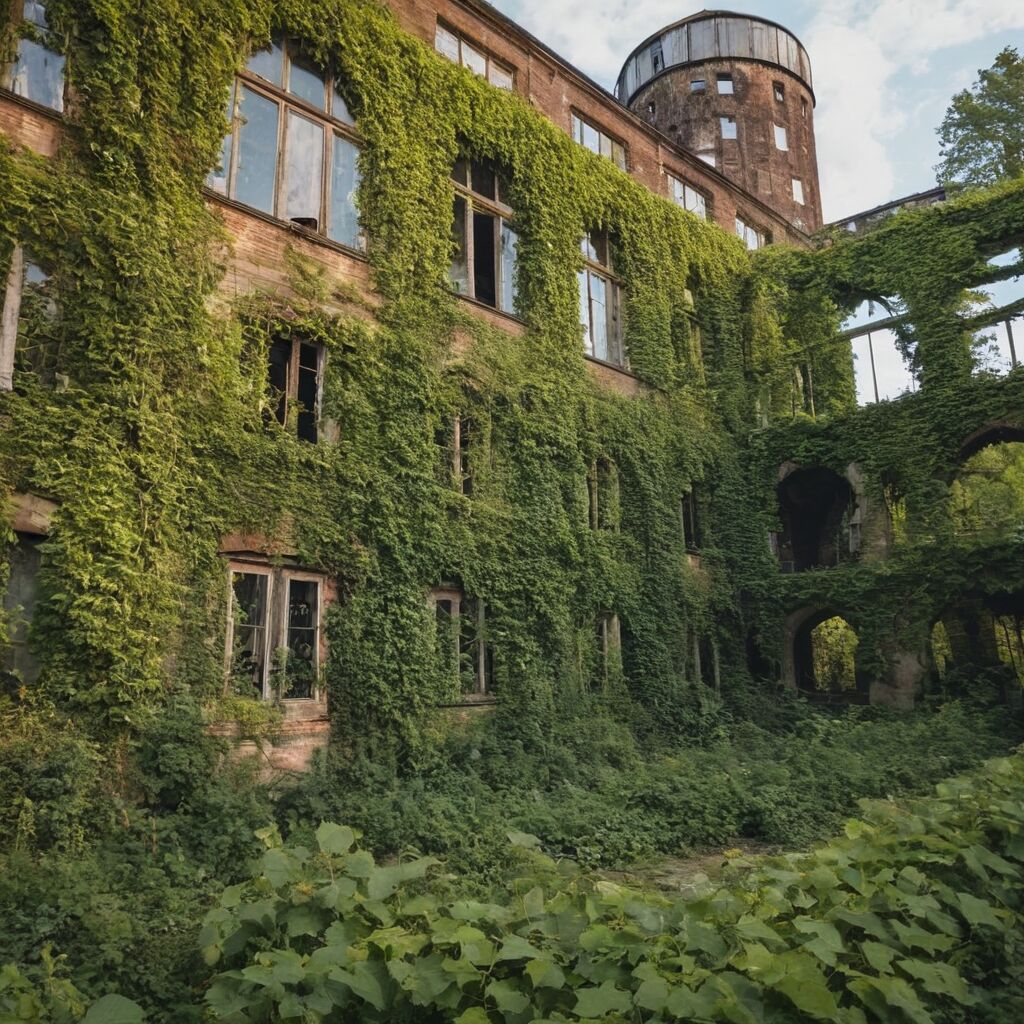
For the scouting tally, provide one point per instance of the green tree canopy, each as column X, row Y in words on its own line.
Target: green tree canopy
column 982, row 134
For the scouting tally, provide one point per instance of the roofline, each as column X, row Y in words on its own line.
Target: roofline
column 685, row 156
column 936, row 192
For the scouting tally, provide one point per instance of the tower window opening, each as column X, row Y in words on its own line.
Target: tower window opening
column 724, row 85
column 781, row 138
column 697, row 85
column 728, row 127
column 798, row 191
column 779, row 91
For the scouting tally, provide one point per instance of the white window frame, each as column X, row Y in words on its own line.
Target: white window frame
column 753, row 238
column 615, row 334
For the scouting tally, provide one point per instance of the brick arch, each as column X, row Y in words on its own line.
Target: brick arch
column 996, row 432
column 797, row 629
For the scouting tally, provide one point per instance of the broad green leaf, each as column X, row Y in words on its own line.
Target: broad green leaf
column 754, row 929
column 939, row 979
column 545, row 974
column 652, row 995
column 880, row 957
column 894, row 993
column 606, row 998
column 114, row 1009
column 335, row 839
column 507, row 996
column 978, row 912
column 474, row 1015
column 515, row 947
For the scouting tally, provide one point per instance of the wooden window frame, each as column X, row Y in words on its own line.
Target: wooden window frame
column 503, row 214
column 290, row 394
column 287, row 104
column 579, row 120
column 459, row 602
column 593, row 268
column 275, row 628
column 742, row 226
column 490, row 60
column 675, row 179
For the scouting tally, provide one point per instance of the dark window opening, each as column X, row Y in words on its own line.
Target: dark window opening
column 690, row 522
column 779, row 92
column 294, row 374
column 603, row 487
column 476, row 660
column 815, row 507
column 697, row 85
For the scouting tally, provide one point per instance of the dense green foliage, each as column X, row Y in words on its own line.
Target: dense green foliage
column 914, row 915
column 981, row 137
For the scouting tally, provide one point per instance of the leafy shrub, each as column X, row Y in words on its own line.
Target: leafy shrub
column 915, row 913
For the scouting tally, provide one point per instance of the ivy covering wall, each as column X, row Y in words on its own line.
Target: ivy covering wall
column 143, row 416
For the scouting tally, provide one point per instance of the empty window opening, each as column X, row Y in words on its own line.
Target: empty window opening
column 485, row 243
column 603, row 489
column 815, row 508
column 294, row 374
column 657, row 57
column 689, row 198
column 689, row 522
column 724, row 84
column 37, row 71
column 600, row 293
column 18, row 662
column 728, row 126
column 274, row 632
column 986, row 498
column 781, row 138
column 697, row 85
column 459, row 50
column 608, row 646
column 779, row 92
column 825, row 657
column 804, row 108
column 463, row 648
column 292, row 150
column 593, row 138
column 798, row 191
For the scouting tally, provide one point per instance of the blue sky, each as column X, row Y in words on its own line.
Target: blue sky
column 884, row 72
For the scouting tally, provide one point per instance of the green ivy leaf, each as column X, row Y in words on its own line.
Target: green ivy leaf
column 604, row 999
column 114, row 1009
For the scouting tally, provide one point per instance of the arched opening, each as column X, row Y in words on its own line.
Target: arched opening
column 825, row 657
column 986, row 497
column 816, row 507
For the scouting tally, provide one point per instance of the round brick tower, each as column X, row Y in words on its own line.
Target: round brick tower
column 735, row 90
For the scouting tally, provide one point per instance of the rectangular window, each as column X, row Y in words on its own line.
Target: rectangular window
column 688, row 521
column 688, row 197
column 728, row 125
column 19, row 602
column 798, row 191
column 462, row 643
column 657, row 57
column 752, row 237
column 781, row 139
column 697, row 85
column 274, row 632
column 483, row 263
column 294, row 372
column 778, row 90
column 603, row 488
column 37, row 71
column 283, row 104
column 459, row 50
column 27, row 317
column 724, row 85
column 592, row 138
column 600, row 301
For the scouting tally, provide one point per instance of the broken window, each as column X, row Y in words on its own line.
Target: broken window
column 462, row 643
column 779, row 91
column 19, row 604
column 601, row 300
column 798, row 191
column 449, row 43
column 597, row 141
column 753, row 238
column 724, row 85
column 728, row 125
column 689, row 522
column 697, row 85
column 294, row 373
column 686, row 196
column 484, row 262
column 292, row 150
column 603, row 489
column 274, row 632
column 37, row 71
column 781, row 139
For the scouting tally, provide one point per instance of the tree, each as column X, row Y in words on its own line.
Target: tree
column 982, row 134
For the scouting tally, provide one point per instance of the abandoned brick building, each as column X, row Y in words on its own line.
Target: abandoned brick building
column 368, row 563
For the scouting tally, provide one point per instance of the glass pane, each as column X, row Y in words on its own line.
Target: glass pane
column 34, row 12
column 217, row 179
column 257, row 151
column 482, row 179
column 38, row 74
column 460, row 172
column 798, row 190
column 697, row 85
column 509, row 251
column 697, row 204
column 446, row 43
column 675, row 189
column 339, row 108
column 249, row 634
column 588, row 343
column 458, row 271
column 591, row 137
column 619, row 155
column 304, row 169
column 19, row 601
column 604, row 145
column 306, row 81
column 577, row 128
column 268, row 64
column 303, row 607
column 728, row 127
column 599, row 315
column 343, row 225
column 499, row 76
column 473, row 59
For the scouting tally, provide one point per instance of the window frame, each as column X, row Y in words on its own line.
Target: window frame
column 490, row 60
column 504, row 216
column 614, row 308
column 725, row 78
column 483, row 654
column 781, row 133
column 276, row 625
column 726, row 121
column 797, row 189
column 289, row 104
column 40, row 36
column 743, row 226
column 698, row 85
column 702, row 209
column 779, row 92
column 290, row 394
column 579, row 122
